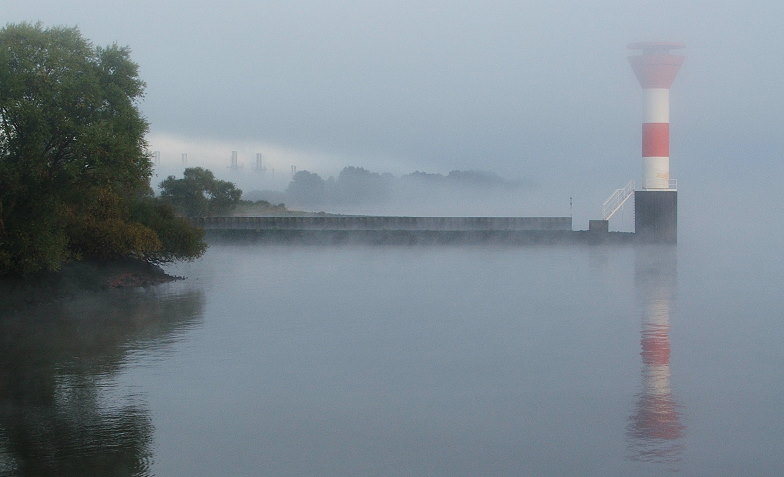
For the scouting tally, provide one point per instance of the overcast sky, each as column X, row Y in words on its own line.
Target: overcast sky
column 535, row 90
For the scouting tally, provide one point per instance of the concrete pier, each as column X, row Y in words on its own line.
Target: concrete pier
column 656, row 216
column 355, row 222
column 405, row 230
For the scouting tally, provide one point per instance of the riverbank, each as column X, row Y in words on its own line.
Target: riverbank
column 79, row 277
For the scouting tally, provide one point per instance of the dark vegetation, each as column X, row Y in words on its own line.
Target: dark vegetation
column 200, row 194
column 74, row 166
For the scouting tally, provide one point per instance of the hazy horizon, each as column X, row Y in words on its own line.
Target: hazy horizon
column 538, row 92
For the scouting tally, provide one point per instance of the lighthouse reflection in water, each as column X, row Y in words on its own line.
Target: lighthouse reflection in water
column 655, row 431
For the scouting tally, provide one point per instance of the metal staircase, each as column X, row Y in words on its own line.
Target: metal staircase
column 615, row 202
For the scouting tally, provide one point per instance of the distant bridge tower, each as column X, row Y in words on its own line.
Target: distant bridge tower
column 656, row 205
column 234, row 165
column 259, row 164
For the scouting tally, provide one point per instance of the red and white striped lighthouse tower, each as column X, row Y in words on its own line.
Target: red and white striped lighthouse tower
column 656, row 69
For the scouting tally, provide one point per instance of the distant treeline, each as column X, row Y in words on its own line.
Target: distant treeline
column 358, row 186
column 199, row 193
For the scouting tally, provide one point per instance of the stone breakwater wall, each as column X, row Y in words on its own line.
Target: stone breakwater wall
column 381, row 223
column 418, row 237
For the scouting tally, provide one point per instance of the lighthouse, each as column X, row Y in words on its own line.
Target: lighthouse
column 656, row 204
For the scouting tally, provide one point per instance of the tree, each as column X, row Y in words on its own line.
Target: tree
column 179, row 240
column 199, row 193
column 359, row 185
column 306, row 188
column 73, row 158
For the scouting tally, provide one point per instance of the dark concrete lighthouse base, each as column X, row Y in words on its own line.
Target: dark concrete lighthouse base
column 656, row 216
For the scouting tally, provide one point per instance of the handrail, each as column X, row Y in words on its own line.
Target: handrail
column 616, row 200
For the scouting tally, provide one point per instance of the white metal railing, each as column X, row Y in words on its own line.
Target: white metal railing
column 616, row 200
column 672, row 184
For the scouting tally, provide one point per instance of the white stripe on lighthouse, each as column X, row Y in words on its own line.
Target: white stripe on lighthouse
column 656, row 172
column 656, row 106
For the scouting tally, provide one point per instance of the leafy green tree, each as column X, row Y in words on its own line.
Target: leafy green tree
column 73, row 157
column 199, row 193
column 179, row 240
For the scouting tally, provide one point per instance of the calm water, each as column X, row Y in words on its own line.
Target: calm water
column 275, row 360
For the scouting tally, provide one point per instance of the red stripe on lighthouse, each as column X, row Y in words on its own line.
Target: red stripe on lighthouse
column 656, row 349
column 656, row 140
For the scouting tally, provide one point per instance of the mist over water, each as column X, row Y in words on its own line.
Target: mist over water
column 437, row 361
column 361, row 360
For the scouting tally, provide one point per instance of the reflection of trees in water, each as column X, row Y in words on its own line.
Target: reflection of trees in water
column 53, row 361
column 655, row 430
